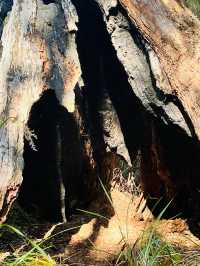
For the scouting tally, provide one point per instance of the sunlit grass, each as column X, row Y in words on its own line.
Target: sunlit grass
column 34, row 255
column 194, row 5
column 33, row 259
column 150, row 250
column 33, row 252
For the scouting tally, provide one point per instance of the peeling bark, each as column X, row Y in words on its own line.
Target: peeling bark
column 173, row 34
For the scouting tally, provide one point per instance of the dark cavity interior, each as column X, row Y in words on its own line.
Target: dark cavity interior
column 46, row 2
column 169, row 159
column 56, row 163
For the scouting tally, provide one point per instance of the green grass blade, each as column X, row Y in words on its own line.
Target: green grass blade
column 106, row 192
column 93, row 214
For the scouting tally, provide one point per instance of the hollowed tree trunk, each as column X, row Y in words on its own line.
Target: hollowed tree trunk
column 104, row 86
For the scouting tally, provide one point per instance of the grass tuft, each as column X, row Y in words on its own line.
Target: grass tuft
column 35, row 253
column 194, row 5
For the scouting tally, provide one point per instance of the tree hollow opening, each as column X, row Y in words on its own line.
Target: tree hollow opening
column 52, row 184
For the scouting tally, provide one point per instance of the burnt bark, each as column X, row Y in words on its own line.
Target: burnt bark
column 92, row 89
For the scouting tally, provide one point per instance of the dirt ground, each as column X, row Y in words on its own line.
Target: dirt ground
column 95, row 240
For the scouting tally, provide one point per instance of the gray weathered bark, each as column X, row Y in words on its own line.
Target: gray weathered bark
column 39, row 53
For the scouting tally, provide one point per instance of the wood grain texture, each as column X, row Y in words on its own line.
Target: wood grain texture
column 172, row 32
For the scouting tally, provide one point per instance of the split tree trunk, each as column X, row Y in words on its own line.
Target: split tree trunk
column 126, row 72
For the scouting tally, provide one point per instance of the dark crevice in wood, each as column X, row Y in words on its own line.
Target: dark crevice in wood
column 103, row 72
column 170, row 170
column 164, row 177
column 170, row 158
column 5, row 7
column 113, row 11
column 182, row 155
column 101, row 68
column 174, row 99
column 51, row 166
column 46, row 2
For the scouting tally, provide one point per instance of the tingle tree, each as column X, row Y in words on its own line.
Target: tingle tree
column 98, row 87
